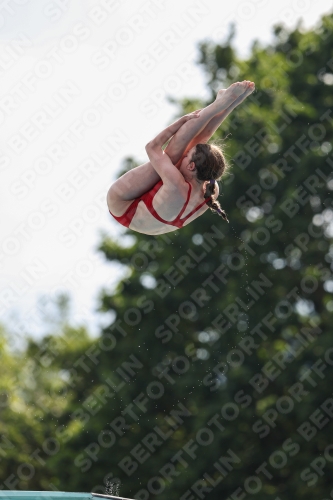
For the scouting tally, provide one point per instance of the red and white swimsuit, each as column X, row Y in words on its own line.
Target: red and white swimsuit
column 147, row 198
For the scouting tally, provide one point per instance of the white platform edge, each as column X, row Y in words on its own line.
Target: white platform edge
column 109, row 496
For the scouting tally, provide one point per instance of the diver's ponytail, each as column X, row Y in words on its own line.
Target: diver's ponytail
column 213, row 204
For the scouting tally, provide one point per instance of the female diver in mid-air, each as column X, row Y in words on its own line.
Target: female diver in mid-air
column 177, row 185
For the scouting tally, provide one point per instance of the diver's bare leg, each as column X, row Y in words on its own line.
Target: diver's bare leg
column 187, row 134
column 216, row 121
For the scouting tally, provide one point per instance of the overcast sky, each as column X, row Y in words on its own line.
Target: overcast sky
column 84, row 83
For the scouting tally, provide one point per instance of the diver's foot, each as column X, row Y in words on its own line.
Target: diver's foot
column 235, row 90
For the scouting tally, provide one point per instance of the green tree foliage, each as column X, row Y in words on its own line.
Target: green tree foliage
column 35, row 391
column 213, row 378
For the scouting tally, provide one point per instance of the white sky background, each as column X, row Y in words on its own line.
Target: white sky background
column 83, row 83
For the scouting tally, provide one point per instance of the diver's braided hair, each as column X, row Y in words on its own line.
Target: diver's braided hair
column 210, row 165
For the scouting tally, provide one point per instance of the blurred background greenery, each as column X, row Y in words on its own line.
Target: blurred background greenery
column 171, row 386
